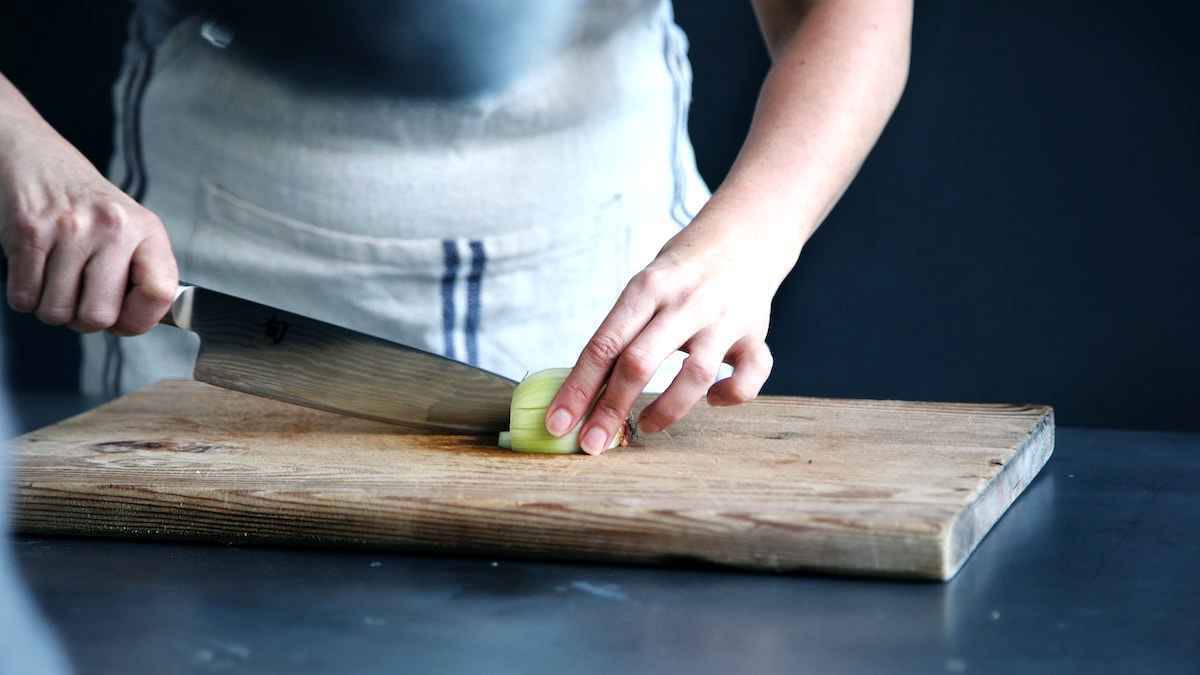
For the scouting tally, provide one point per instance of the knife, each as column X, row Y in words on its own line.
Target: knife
column 268, row 352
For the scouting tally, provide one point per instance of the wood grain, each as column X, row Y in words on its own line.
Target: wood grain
column 846, row 486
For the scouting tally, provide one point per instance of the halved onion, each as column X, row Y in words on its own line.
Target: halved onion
column 527, row 417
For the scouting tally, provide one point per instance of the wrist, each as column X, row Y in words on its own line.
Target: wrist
column 737, row 237
column 17, row 135
column 759, row 222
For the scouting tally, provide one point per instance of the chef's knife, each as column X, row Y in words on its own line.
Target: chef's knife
column 268, row 352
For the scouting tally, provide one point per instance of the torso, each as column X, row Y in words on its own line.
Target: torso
column 494, row 221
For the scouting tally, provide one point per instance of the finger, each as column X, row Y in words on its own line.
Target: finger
column 26, row 267
column 633, row 311
column 60, row 289
column 153, row 277
column 104, row 282
column 697, row 375
column 752, row 362
column 632, row 372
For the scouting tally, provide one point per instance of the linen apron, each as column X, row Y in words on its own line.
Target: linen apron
column 497, row 229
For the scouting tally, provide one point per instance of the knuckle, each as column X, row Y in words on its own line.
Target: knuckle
column 768, row 359
column 24, row 231
column 573, row 396
column 55, row 315
column 606, row 413
column 21, row 300
column 603, row 349
column 636, row 365
column 92, row 319
column 699, row 371
column 700, row 300
column 761, row 358
column 111, row 213
column 109, row 229
column 159, row 294
column 70, row 226
column 668, row 413
column 652, row 280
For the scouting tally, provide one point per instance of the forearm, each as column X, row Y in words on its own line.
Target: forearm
column 16, row 113
column 22, row 132
column 839, row 69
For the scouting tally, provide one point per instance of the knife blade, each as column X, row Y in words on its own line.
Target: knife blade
column 284, row 356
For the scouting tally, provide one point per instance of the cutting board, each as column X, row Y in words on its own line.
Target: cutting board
column 883, row 488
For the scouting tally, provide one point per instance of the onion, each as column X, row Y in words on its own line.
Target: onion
column 527, row 418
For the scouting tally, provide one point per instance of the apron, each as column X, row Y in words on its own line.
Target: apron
column 497, row 229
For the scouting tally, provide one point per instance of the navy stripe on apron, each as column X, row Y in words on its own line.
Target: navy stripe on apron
column 474, row 284
column 450, row 257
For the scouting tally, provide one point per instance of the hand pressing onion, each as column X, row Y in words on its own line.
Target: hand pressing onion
column 527, row 418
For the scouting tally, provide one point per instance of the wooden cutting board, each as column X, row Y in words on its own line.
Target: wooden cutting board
column 847, row 486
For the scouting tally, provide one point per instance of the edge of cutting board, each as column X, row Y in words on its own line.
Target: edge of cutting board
column 973, row 524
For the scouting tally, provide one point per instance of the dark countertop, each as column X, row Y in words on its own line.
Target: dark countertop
column 1095, row 569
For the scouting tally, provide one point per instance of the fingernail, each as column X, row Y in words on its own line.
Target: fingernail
column 594, row 441
column 559, row 422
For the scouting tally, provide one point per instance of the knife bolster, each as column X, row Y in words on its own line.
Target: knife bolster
column 180, row 314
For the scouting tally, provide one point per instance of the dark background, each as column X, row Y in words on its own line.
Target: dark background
column 1024, row 232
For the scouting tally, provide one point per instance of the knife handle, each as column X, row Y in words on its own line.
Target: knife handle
column 180, row 313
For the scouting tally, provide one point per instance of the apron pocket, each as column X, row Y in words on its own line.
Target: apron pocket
column 510, row 303
column 383, row 286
